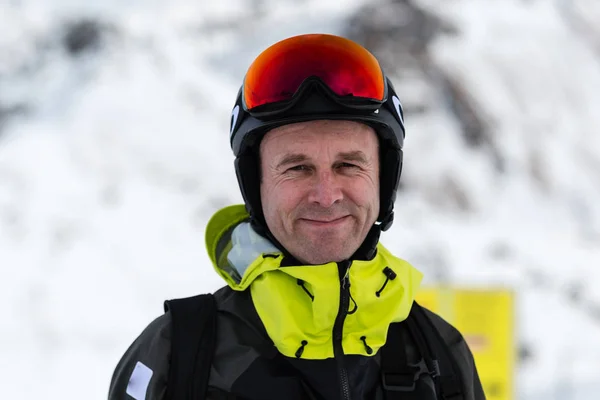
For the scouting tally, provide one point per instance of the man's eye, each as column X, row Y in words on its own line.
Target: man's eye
column 298, row 168
column 348, row 165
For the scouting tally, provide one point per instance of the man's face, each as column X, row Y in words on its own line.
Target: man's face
column 320, row 187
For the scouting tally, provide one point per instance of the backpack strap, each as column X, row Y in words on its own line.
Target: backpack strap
column 193, row 333
column 449, row 377
column 400, row 379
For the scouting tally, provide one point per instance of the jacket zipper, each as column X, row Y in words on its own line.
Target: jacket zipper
column 338, row 327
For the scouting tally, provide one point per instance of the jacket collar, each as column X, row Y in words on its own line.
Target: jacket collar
column 300, row 303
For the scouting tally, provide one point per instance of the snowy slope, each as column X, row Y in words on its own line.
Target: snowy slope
column 535, row 225
column 108, row 179
column 119, row 156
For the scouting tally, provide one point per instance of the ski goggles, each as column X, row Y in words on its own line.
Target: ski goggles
column 279, row 75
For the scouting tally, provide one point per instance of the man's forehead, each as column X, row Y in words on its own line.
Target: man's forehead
column 308, row 140
column 324, row 125
column 321, row 133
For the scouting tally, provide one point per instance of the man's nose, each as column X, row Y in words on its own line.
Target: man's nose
column 326, row 190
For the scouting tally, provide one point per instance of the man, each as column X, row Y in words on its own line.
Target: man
column 315, row 307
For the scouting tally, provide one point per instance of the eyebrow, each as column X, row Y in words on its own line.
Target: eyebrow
column 294, row 158
column 356, row 156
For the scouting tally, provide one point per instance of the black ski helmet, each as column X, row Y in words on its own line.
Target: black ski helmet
column 314, row 100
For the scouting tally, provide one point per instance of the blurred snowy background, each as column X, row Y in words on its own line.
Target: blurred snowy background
column 114, row 153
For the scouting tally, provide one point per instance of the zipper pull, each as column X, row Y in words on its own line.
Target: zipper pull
column 346, row 280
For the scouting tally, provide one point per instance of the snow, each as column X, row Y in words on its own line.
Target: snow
column 108, row 177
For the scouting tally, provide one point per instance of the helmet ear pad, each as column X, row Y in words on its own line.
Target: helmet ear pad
column 390, row 169
column 247, row 170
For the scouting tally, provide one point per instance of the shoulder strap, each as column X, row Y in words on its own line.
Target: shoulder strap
column 449, row 376
column 400, row 379
column 193, row 331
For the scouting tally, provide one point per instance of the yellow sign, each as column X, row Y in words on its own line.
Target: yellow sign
column 486, row 320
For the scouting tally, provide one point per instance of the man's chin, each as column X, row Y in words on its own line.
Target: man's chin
column 326, row 254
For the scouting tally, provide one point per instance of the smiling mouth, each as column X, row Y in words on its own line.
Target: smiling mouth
column 325, row 222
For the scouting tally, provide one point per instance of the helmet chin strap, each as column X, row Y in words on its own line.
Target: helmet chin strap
column 387, row 222
column 368, row 248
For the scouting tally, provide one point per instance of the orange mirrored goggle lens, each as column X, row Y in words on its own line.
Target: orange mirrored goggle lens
column 346, row 67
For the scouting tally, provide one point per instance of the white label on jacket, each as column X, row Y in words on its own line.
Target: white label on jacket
column 139, row 381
